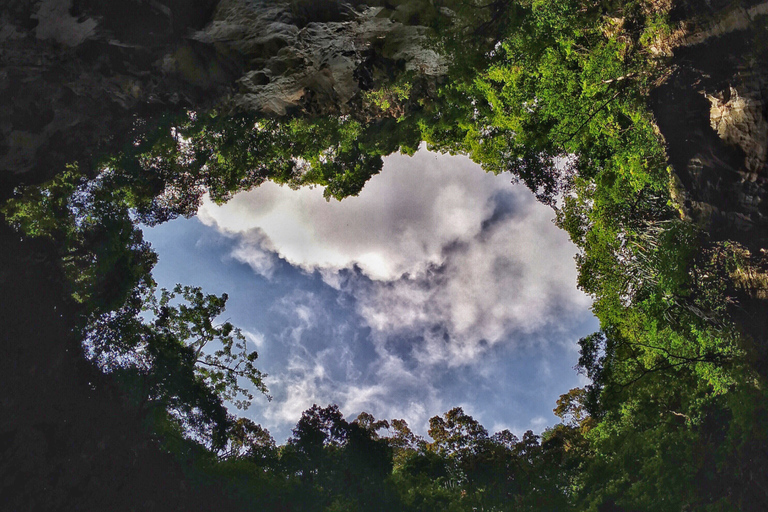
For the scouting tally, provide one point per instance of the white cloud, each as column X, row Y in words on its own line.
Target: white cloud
column 400, row 223
column 443, row 249
column 251, row 249
column 256, row 338
column 365, row 397
column 323, row 370
column 301, row 385
column 538, row 423
column 499, row 427
column 446, row 264
column 308, row 380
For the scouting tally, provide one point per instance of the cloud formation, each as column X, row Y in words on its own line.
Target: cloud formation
column 400, row 223
column 439, row 286
column 433, row 247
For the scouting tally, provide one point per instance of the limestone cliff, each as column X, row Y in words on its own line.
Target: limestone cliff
column 712, row 113
column 75, row 75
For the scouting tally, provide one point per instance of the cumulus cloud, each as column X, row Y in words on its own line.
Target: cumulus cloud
column 514, row 277
column 254, row 248
column 432, row 246
column 460, row 287
column 400, row 223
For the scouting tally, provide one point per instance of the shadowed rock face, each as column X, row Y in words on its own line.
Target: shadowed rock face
column 712, row 113
column 76, row 74
column 296, row 63
column 74, row 78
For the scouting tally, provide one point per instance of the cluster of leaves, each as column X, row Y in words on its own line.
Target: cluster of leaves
column 390, row 98
column 102, row 251
column 169, row 168
column 172, row 356
column 559, row 95
column 166, row 349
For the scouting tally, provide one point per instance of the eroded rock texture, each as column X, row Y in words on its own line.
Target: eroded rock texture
column 76, row 74
column 713, row 115
column 72, row 78
column 294, row 62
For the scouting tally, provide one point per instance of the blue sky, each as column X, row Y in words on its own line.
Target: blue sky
column 439, row 286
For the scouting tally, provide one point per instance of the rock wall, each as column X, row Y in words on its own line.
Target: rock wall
column 713, row 114
column 316, row 66
column 75, row 75
column 73, row 80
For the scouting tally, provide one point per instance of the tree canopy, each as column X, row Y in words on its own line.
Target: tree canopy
column 555, row 94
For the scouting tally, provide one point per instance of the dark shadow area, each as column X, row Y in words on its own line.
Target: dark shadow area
column 68, row 440
column 720, row 193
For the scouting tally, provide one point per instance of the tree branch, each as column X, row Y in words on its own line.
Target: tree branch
column 239, row 373
column 585, row 123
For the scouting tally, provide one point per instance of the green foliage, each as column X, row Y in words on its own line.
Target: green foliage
column 171, row 355
column 192, row 322
column 102, row 252
column 553, row 93
column 168, row 170
column 559, row 95
column 390, row 98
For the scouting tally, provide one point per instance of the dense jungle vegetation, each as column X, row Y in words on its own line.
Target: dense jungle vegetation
column 675, row 417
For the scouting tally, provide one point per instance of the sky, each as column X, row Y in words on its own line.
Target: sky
column 438, row 286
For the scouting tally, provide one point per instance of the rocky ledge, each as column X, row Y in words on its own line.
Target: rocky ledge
column 713, row 114
column 75, row 75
